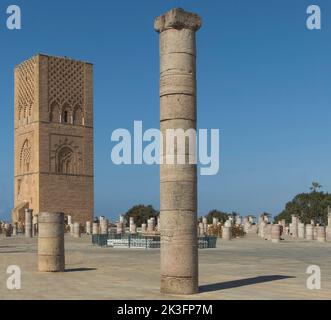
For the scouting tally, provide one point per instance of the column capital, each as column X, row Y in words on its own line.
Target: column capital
column 177, row 19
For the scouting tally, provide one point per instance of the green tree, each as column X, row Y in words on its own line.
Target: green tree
column 308, row 206
column 315, row 186
column 141, row 214
column 222, row 216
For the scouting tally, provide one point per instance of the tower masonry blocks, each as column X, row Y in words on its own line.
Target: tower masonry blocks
column 178, row 182
column 54, row 137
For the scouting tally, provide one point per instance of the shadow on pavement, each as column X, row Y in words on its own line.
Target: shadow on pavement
column 80, row 269
column 241, row 283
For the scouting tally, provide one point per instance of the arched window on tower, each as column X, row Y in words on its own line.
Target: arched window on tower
column 55, row 113
column 66, row 161
column 65, row 117
column 25, row 157
column 66, row 114
column 78, row 116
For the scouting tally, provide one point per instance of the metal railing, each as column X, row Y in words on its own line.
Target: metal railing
column 143, row 241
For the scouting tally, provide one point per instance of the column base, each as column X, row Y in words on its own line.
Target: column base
column 48, row 263
column 179, row 285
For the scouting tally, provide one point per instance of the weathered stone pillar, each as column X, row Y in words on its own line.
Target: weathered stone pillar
column 247, row 226
column 95, row 228
column 201, row 229
column 28, row 223
column 321, row 235
column 143, row 227
column 88, row 227
column 275, row 233
column 133, row 227
column 14, row 229
column 178, row 184
column 205, row 225
column 51, row 242
column 76, row 230
column 150, row 224
column 268, row 230
column 309, row 232
column 120, row 228
column 226, row 233
column 315, row 231
column 228, row 224
column 104, row 226
column 294, row 226
column 34, row 225
column 301, row 230
column 328, row 233
column 262, row 229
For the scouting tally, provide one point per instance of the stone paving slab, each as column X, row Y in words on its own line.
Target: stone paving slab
column 248, row 268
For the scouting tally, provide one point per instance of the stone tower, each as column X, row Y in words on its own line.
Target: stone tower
column 53, row 137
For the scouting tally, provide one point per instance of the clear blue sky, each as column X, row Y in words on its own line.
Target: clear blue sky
column 264, row 80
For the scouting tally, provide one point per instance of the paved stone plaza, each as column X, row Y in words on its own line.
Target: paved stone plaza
column 248, row 268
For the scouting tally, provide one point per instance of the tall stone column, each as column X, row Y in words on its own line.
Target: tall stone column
column 28, row 223
column 178, row 180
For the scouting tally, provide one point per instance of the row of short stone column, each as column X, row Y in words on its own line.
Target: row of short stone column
column 270, row 231
column 149, row 227
column 203, row 228
column 299, row 230
column 312, row 232
column 74, row 227
column 30, row 225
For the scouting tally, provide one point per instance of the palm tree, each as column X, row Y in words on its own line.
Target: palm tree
column 315, row 186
